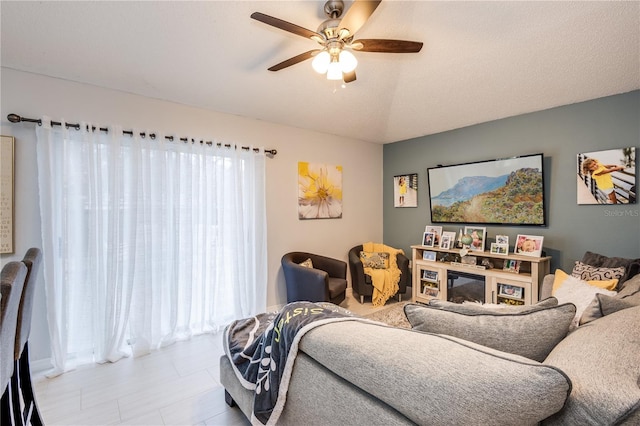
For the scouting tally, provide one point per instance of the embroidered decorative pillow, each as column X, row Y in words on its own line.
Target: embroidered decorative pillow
column 307, row 264
column 375, row 260
column 586, row 272
column 632, row 266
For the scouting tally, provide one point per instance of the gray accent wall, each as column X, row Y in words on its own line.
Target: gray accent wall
column 560, row 134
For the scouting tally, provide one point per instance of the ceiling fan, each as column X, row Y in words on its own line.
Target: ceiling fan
column 336, row 38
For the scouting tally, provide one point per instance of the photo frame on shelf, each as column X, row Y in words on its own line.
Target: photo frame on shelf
column 500, row 249
column 430, row 291
column 511, row 265
column 478, row 237
column 445, row 242
column 510, row 291
column 430, row 275
column 451, row 237
column 437, row 230
column 429, row 255
column 502, row 239
column 528, row 245
column 429, row 239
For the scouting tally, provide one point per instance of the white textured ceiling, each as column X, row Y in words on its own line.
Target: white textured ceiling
column 481, row 61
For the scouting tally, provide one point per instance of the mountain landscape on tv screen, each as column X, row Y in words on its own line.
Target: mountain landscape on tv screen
column 513, row 198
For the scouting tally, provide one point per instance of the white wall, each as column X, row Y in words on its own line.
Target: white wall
column 32, row 96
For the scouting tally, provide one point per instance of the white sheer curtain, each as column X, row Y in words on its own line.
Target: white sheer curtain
column 146, row 241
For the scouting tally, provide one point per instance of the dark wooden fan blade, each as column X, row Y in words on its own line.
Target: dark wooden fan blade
column 348, row 77
column 386, row 46
column 292, row 61
column 286, row 26
column 357, row 15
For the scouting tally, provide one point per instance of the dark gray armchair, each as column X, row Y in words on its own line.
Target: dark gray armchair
column 361, row 282
column 325, row 282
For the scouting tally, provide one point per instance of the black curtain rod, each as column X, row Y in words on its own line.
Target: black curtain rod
column 15, row 118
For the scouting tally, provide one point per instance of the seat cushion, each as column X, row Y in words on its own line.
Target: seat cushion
column 337, row 286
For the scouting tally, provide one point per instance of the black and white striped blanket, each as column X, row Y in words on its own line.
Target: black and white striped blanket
column 262, row 350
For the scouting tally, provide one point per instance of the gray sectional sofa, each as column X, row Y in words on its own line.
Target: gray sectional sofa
column 357, row 373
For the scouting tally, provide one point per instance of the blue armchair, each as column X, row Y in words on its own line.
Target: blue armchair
column 326, row 281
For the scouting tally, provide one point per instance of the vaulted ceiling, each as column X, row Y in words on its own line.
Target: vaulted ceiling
column 480, row 61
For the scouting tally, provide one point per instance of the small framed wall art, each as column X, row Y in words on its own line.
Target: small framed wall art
column 6, row 194
column 405, row 190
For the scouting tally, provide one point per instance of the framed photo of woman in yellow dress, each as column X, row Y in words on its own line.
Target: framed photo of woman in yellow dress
column 405, row 190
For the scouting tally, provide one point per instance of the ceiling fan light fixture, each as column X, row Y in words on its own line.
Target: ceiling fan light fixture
column 335, row 71
column 321, row 62
column 348, row 62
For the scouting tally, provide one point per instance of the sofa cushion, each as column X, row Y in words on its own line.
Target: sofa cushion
column 568, row 289
column 632, row 266
column 602, row 359
column 434, row 379
column 531, row 333
column 603, row 305
column 630, row 287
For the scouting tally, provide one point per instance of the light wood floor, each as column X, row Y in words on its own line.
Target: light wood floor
column 177, row 385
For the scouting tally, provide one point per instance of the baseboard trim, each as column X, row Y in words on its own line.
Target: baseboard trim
column 40, row 365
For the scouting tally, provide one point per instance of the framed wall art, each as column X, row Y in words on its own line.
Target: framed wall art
column 607, row 177
column 6, row 194
column 319, row 191
column 405, row 190
column 507, row 191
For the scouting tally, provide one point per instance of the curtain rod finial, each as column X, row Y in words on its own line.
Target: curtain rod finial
column 14, row 118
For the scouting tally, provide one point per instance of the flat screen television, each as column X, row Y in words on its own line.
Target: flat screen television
column 506, row 191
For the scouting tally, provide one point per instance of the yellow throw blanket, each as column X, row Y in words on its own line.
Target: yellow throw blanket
column 385, row 281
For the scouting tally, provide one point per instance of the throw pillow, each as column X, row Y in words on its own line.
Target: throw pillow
column 587, row 272
column 632, row 266
column 375, row 260
column 630, row 287
column 603, row 305
column 307, row 264
column 561, row 276
column 532, row 334
column 568, row 289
